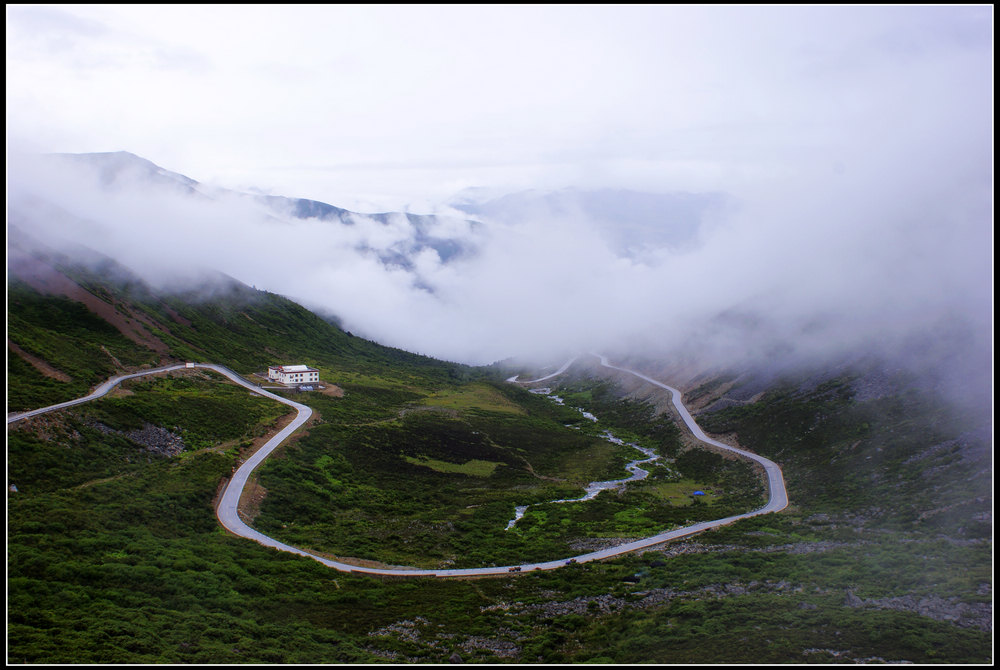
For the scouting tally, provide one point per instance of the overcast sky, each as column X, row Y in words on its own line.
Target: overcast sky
column 388, row 106
column 855, row 142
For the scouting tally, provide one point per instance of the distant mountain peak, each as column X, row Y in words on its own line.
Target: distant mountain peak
column 114, row 167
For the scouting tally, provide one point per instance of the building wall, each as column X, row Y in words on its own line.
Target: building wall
column 294, row 377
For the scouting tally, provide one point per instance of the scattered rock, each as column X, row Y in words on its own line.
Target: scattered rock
column 852, row 600
column 966, row 615
column 499, row 648
column 152, row 438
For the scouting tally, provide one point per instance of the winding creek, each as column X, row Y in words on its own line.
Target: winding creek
column 594, row 488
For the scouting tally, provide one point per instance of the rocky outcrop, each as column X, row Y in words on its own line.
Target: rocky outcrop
column 503, row 644
column 494, row 646
column 966, row 615
column 151, row 438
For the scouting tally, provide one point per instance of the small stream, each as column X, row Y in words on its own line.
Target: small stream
column 593, row 488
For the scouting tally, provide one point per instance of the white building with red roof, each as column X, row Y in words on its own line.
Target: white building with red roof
column 293, row 374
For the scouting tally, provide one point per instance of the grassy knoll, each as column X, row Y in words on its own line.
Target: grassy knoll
column 203, row 410
column 191, row 410
column 482, row 397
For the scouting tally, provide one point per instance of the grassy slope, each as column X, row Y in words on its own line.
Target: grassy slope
column 70, row 338
column 393, row 482
column 906, row 462
column 114, row 558
column 227, row 323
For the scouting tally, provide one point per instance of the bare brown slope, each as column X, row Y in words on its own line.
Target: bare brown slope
column 46, row 279
column 37, row 363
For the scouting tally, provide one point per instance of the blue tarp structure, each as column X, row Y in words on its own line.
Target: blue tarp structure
column 698, row 493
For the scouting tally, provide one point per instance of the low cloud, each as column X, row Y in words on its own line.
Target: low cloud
column 847, row 157
column 861, row 258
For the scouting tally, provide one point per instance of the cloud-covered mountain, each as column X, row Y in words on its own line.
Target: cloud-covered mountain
column 121, row 171
column 121, row 168
column 898, row 267
column 472, row 285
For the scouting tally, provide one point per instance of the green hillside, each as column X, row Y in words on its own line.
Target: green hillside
column 115, row 555
column 222, row 321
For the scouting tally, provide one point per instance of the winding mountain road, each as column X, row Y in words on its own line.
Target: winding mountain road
column 541, row 379
column 229, row 517
column 778, row 498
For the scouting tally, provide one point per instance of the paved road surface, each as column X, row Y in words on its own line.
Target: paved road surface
column 99, row 392
column 775, row 482
column 554, row 374
column 228, row 514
